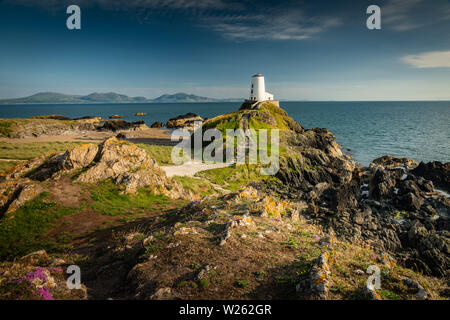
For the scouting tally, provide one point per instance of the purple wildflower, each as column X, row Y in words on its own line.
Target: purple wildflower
column 45, row 293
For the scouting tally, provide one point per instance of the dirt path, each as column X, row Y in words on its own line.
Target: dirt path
column 191, row 168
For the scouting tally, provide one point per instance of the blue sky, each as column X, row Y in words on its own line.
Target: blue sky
column 313, row 50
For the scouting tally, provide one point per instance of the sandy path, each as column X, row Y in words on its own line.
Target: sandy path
column 191, row 168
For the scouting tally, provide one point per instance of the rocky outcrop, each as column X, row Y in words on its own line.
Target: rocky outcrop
column 124, row 163
column 131, row 167
column 121, row 125
column 54, row 125
column 79, row 157
column 186, row 121
column 435, row 171
column 157, row 124
column 383, row 204
column 389, row 162
column 38, row 277
column 27, row 128
column 318, row 283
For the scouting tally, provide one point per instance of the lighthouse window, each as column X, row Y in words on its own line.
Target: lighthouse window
column 252, row 91
column 252, row 85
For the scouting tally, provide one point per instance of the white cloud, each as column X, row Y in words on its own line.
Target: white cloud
column 432, row 59
column 288, row 24
column 405, row 15
column 232, row 19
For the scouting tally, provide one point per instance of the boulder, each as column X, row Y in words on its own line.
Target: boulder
column 415, row 287
column 162, row 294
column 186, row 121
column 389, row 162
column 435, row 171
column 410, row 202
column 318, row 283
column 119, row 125
column 75, row 158
column 157, row 124
column 25, row 193
column 131, row 167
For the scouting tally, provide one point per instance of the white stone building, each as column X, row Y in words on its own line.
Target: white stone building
column 258, row 89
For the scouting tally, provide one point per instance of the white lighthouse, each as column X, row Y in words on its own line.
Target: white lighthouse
column 258, row 89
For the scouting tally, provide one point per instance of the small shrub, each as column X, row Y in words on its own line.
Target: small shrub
column 241, row 283
column 203, row 283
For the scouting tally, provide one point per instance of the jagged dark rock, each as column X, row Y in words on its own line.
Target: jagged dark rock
column 157, row 124
column 435, row 171
column 118, row 125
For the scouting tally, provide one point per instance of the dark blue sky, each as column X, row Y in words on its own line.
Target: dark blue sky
column 316, row 50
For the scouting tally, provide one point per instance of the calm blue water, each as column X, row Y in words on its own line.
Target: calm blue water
column 417, row 130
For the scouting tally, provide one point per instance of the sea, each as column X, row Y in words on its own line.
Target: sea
column 419, row 130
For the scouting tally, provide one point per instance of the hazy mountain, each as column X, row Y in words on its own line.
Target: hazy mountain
column 110, row 97
column 182, row 97
column 45, row 97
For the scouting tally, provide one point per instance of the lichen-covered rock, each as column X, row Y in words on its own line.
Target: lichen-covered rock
column 248, row 193
column 131, row 167
column 272, row 207
column 26, row 193
column 237, row 221
column 318, row 283
column 78, row 157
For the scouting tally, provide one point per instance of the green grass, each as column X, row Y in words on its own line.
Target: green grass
column 241, row 283
column 224, row 122
column 196, row 185
column 162, row 154
column 5, row 165
column 203, row 283
column 29, row 150
column 8, row 127
column 232, row 177
column 108, row 200
column 5, row 127
column 23, row 233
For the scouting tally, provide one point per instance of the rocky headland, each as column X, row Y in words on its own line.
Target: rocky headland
column 308, row 232
column 54, row 125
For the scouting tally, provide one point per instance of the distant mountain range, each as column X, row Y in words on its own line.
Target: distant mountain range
column 110, row 97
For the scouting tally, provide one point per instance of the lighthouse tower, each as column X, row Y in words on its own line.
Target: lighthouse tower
column 258, row 89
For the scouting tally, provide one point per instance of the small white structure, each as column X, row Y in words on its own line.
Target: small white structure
column 258, row 89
